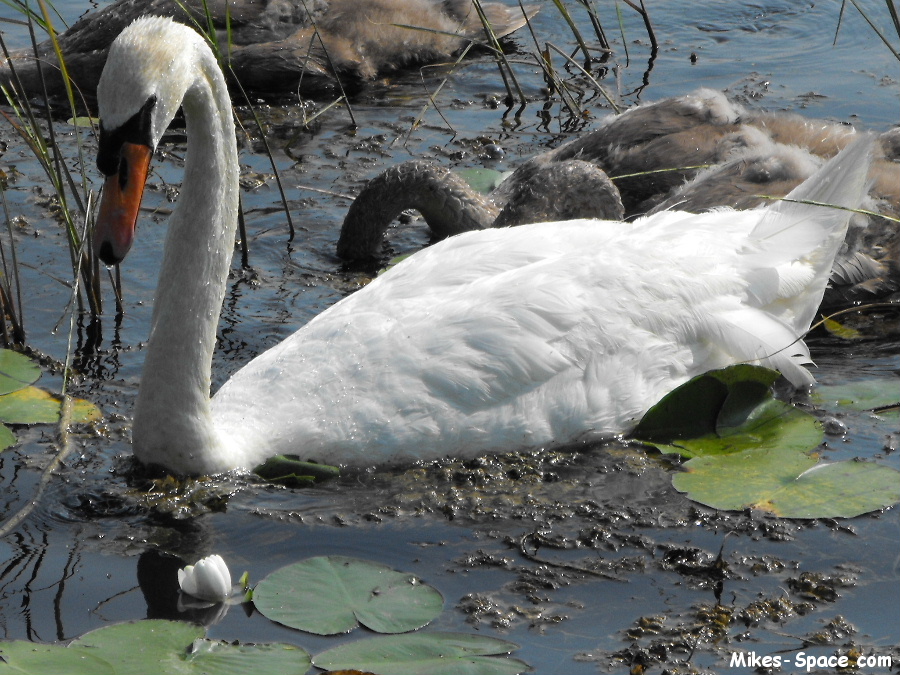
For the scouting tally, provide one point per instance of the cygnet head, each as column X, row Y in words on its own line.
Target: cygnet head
column 560, row 191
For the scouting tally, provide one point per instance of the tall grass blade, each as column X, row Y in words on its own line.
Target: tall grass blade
column 621, row 23
column 48, row 153
column 567, row 17
column 558, row 84
column 432, row 96
column 76, row 249
column 895, row 19
column 895, row 15
column 642, row 10
column 599, row 87
column 595, row 22
column 24, row 9
column 316, row 36
column 10, row 287
column 277, row 174
column 212, row 38
column 506, row 71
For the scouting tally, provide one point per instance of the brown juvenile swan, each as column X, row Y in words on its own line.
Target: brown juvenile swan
column 750, row 156
column 275, row 47
column 450, row 206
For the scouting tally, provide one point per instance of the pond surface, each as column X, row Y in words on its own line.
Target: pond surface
column 502, row 538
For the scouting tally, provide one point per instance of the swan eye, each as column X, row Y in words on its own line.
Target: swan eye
column 123, row 172
column 137, row 130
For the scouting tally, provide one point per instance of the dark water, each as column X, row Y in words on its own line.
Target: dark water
column 86, row 555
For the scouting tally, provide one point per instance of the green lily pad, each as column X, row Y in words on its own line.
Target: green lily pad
column 393, row 262
column 32, row 405
column 152, row 647
column 290, row 470
column 414, row 654
column 840, row 330
column 789, row 484
column 216, row 657
column 333, row 594
column 482, row 180
column 86, row 122
column 7, row 437
column 727, row 411
column 16, row 371
column 140, row 647
column 859, row 395
column 28, row 658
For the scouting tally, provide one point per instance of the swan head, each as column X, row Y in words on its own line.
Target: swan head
column 147, row 73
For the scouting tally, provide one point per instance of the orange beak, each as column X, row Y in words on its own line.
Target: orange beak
column 120, row 203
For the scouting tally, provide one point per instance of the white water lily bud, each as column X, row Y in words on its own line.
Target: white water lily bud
column 208, row 579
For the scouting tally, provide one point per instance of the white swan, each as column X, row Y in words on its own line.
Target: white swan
column 492, row 340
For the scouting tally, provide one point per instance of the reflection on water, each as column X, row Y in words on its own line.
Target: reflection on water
column 93, row 552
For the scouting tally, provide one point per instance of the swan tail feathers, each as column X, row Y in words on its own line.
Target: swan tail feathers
column 753, row 336
column 794, row 245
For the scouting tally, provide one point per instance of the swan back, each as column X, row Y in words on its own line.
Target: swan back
column 509, row 338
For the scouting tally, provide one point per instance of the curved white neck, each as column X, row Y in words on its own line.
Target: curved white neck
column 172, row 422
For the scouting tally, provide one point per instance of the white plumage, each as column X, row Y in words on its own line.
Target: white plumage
column 489, row 341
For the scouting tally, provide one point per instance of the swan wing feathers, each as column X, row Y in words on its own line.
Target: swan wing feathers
column 495, row 340
column 800, row 235
column 505, row 339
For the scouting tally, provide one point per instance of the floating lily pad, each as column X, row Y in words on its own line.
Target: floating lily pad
column 153, row 647
column 789, row 484
column 86, row 122
column 840, row 330
column 28, row 658
column 482, row 180
column 140, row 647
column 333, row 594
column 32, row 405
column 290, row 470
column 860, row 395
column 7, row 437
column 727, row 411
column 414, row 654
column 85, row 412
column 17, row 371
column 393, row 262
column 214, row 657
